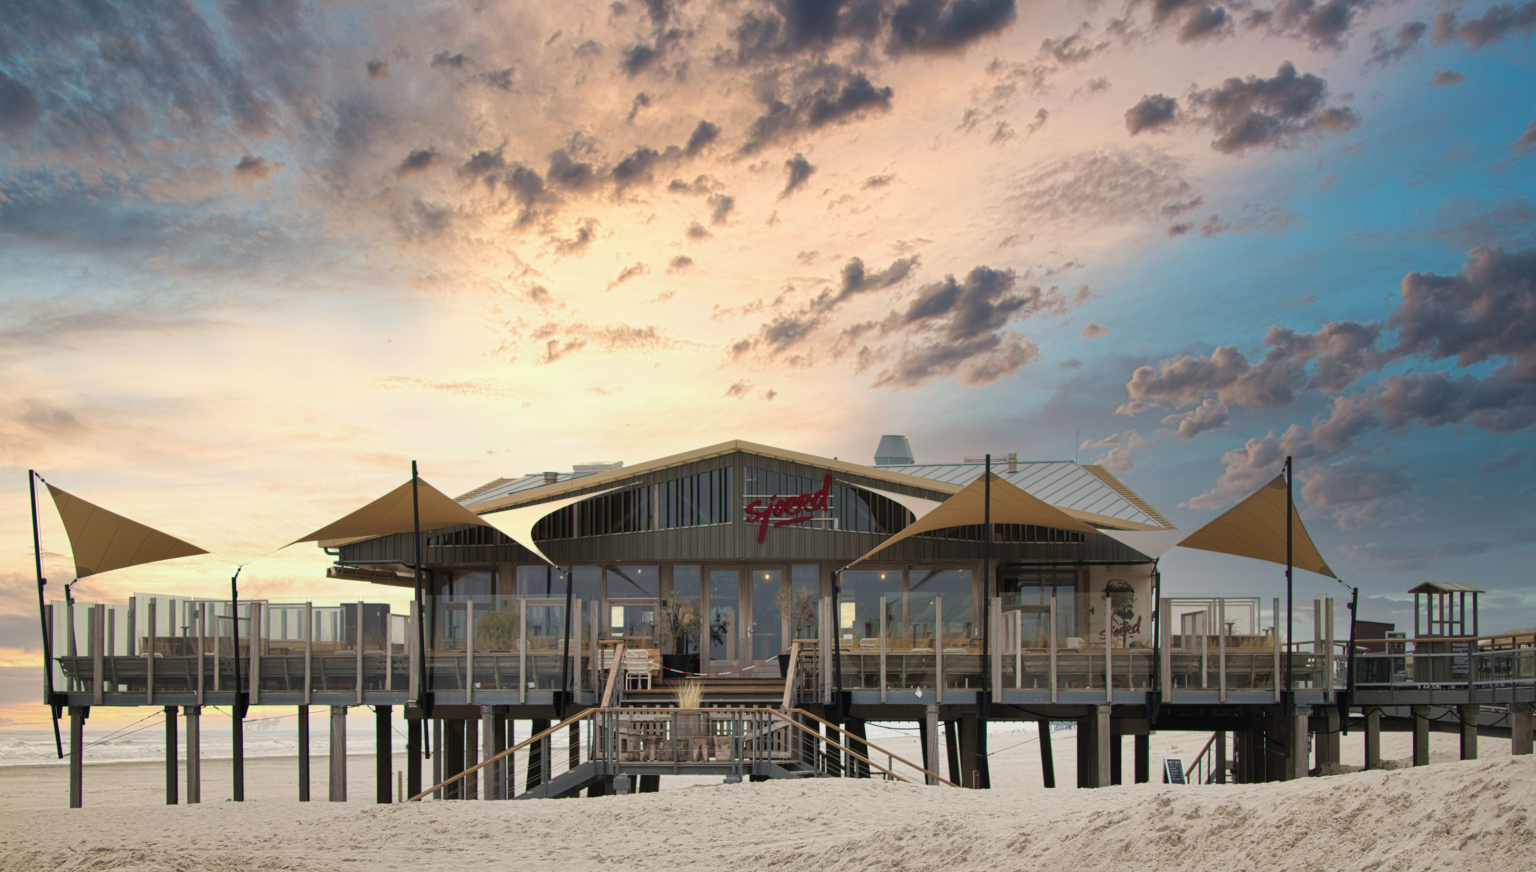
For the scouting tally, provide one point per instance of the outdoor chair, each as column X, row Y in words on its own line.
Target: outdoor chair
column 637, row 669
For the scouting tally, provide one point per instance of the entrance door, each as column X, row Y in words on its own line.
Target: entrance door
column 767, row 620
column 723, row 619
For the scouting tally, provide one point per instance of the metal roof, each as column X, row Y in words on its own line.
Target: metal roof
column 1062, row 483
column 504, row 486
column 1446, row 587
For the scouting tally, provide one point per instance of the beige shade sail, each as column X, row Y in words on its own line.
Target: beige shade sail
column 1010, row 505
column 517, row 524
column 392, row 513
column 1255, row 528
column 103, row 541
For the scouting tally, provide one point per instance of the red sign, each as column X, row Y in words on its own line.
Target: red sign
column 780, row 511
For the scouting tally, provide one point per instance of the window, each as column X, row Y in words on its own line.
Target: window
column 691, row 501
column 1030, row 592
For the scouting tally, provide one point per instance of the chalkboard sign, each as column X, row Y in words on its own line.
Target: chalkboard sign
column 1461, row 659
column 1173, row 771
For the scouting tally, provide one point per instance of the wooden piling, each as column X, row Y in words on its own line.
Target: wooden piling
column 383, row 753
column 1221, row 756
column 304, row 753
column 1047, row 759
column 536, row 755
column 172, row 776
column 413, row 756
column 77, row 715
column 1116, row 753
column 1373, row 737
column 1469, row 715
column 488, row 750
column 1519, row 728
column 237, row 763
column 952, row 747
column 471, row 759
column 1142, row 748
column 194, row 715
column 338, row 755
column 1421, row 735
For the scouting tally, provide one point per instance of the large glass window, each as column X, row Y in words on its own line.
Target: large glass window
column 724, row 612
column 805, row 608
column 681, row 619
column 633, row 582
column 959, row 602
column 858, row 608
column 1030, row 592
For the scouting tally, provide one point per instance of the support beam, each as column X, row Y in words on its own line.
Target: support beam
column 488, row 750
column 930, row 738
column 1105, row 735
column 536, row 755
column 650, row 784
column 1221, row 756
column 471, row 759
column 504, row 784
column 194, row 715
column 77, row 715
column 383, row 754
column 172, row 776
column 413, row 756
column 952, row 746
column 1116, row 753
column 338, row 768
column 1421, row 735
column 304, row 753
column 970, row 772
column 1519, row 728
column 1469, row 715
column 452, row 752
column 1087, row 752
column 1299, row 750
column 1047, row 759
column 1143, row 752
column 856, row 728
column 1328, row 738
column 437, row 757
column 237, row 749
column 1372, row 737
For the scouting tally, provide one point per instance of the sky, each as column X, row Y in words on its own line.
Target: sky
column 258, row 256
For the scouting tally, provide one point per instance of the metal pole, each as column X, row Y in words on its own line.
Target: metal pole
column 1290, row 683
column 1347, row 698
column 837, row 642
column 565, row 657
column 42, row 617
column 424, row 687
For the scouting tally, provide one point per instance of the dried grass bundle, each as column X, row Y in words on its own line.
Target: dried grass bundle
column 690, row 695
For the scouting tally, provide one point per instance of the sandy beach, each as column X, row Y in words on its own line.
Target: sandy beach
column 1463, row 814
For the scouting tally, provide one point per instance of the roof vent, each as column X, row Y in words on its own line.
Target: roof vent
column 893, row 451
column 551, row 477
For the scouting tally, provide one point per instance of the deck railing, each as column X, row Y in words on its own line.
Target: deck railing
column 1446, row 662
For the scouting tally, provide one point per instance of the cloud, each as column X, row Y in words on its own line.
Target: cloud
column 946, row 25
column 254, row 169
column 1443, row 78
column 1209, row 415
column 1323, row 25
column 378, row 69
column 1511, row 459
column 1154, row 112
column 1104, row 186
column 1206, row 23
column 1527, row 139
column 737, row 390
column 417, row 161
column 720, row 207
column 681, row 263
column 702, row 136
column 1094, row 331
column 799, row 171
column 1279, row 111
column 630, row 272
column 822, row 95
column 1271, row 220
column 788, row 330
column 1386, row 51
column 879, row 181
column 446, row 61
column 1499, row 21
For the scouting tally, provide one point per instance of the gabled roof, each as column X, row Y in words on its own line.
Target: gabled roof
column 1095, row 497
column 1446, row 587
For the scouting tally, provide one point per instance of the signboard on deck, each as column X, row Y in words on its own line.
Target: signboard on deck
column 1173, row 771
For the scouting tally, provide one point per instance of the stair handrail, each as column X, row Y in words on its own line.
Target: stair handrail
column 514, row 749
column 1195, row 766
column 614, row 668
column 863, row 741
column 789, row 675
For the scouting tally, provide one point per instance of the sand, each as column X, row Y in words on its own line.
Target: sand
column 1469, row 815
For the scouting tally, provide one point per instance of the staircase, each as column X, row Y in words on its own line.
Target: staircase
column 734, row 741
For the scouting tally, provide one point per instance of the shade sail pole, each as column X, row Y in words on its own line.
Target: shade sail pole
column 1290, row 654
column 42, row 615
column 565, row 659
column 425, row 692
column 985, row 696
column 242, row 700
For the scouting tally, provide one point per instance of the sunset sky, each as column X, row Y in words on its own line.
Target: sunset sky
column 257, row 256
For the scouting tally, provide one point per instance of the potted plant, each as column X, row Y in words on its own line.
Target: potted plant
column 496, row 631
column 797, row 605
column 680, row 628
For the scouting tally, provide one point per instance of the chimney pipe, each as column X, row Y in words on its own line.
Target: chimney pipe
column 551, row 477
column 1013, row 462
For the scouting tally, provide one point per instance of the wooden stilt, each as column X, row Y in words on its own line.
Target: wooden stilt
column 194, row 715
column 536, row 756
column 383, row 753
column 857, row 728
column 1469, row 715
column 412, row 756
column 1328, row 739
column 437, row 757
column 1520, row 728
column 237, row 762
column 650, row 784
column 453, row 758
column 1087, row 752
column 1047, row 759
column 970, row 775
column 488, row 750
column 471, row 758
column 1299, row 751
column 1373, row 738
column 338, row 755
column 172, row 777
column 1221, row 756
column 1116, row 753
column 77, row 715
column 1107, row 742
column 304, row 753
column 1142, row 744
column 499, row 743
column 1421, row 735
